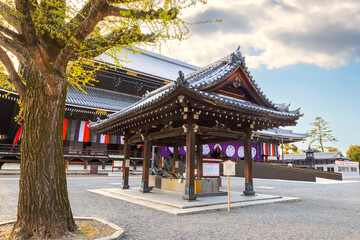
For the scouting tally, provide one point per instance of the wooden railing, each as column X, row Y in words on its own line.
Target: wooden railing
column 8, row 149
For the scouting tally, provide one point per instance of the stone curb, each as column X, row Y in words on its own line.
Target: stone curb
column 117, row 235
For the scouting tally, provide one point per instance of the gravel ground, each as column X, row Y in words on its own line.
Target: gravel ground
column 326, row 211
column 87, row 230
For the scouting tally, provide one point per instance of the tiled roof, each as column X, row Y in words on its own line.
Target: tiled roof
column 151, row 64
column 326, row 155
column 217, row 71
column 195, row 81
column 284, row 133
column 93, row 98
column 99, row 99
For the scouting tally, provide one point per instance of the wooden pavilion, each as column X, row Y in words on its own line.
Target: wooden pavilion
column 218, row 103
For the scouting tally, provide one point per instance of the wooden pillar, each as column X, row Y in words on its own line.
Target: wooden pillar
column 190, row 165
column 126, row 165
column 176, row 159
column 103, row 165
column 161, row 162
column 85, row 165
column 199, row 161
column 249, row 186
column 146, row 166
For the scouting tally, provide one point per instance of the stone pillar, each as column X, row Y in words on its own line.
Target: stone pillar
column 249, row 186
column 146, row 166
column 199, row 161
column 175, row 159
column 126, row 165
column 190, row 164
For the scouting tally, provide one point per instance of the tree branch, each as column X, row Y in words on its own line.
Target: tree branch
column 139, row 14
column 14, row 76
column 9, row 15
column 15, row 36
column 96, row 12
column 93, row 47
column 95, row 15
column 80, row 17
column 27, row 25
column 111, row 10
column 16, row 49
column 26, row 8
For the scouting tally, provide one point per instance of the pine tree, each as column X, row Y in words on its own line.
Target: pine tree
column 320, row 134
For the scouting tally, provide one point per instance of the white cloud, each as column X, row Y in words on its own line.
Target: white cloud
column 283, row 32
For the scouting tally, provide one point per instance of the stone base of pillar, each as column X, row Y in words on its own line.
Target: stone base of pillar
column 189, row 197
column 189, row 193
column 145, row 187
column 125, row 184
column 146, row 190
column 249, row 189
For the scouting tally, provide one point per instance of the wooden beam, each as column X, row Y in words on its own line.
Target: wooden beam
column 249, row 186
column 215, row 140
column 166, row 134
column 221, row 132
column 170, row 142
column 135, row 139
column 159, row 135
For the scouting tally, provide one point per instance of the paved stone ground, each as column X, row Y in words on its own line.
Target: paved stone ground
column 326, row 211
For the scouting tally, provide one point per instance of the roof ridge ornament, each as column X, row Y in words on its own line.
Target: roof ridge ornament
column 296, row 111
column 180, row 81
column 236, row 56
column 147, row 93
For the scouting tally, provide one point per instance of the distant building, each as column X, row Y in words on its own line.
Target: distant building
column 329, row 161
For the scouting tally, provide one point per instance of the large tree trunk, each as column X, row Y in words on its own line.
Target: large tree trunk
column 43, row 207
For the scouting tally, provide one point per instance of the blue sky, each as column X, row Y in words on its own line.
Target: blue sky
column 302, row 52
column 333, row 94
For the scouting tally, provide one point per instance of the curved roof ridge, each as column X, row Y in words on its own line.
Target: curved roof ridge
column 203, row 70
column 156, row 91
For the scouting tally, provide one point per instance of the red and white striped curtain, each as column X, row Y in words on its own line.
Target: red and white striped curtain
column 78, row 131
column 269, row 149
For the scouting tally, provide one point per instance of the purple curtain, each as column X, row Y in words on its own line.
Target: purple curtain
column 230, row 149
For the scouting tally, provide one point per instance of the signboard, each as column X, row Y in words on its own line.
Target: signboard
column 211, row 169
column 229, row 168
column 212, row 160
column 127, row 163
column 176, row 164
column 346, row 163
column 117, row 163
column 116, row 156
